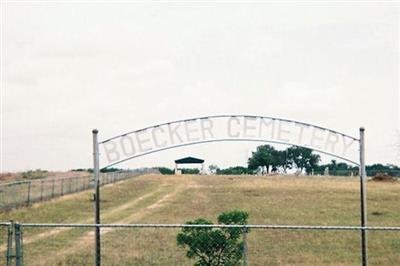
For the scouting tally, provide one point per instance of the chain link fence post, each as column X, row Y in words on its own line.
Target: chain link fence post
column 28, row 200
column 18, row 245
column 62, row 186
column 52, row 188
column 10, row 234
column 245, row 248
column 41, row 190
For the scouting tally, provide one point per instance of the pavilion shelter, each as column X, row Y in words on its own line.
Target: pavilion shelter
column 188, row 160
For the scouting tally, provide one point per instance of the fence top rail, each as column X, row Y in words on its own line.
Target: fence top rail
column 254, row 226
column 19, row 182
column 51, row 179
column 38, row 180
column 5, row 224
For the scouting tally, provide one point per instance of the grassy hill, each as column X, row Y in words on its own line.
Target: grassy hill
column 177, row 199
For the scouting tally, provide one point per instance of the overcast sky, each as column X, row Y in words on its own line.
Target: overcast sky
column 68, row 68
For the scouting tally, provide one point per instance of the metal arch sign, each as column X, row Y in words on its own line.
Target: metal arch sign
column 227, row 128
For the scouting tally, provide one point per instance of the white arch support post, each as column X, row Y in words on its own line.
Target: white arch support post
column 96, row 178
column 363, row 197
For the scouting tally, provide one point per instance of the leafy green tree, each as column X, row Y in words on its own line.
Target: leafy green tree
column 282, row 160
column 389, row 169
column 303, row 158
column 215, row 246
column 213, row 168
column 263, row 156
column 334, row 167
column 235, row 170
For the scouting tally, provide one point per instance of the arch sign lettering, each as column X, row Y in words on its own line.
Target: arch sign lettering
column 221, row 128
column 227, row 128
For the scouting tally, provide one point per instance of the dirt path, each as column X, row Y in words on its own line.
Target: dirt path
column 105, row 215
column 87, row 239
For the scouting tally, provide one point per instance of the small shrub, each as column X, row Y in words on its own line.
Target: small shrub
column 189, row 171
column 78, row 170
column 110, row 170
column 165, row 171
column 215, row 246
column 36, row 174
column 383, row 177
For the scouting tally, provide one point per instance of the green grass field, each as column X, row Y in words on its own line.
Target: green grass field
column 177, row 199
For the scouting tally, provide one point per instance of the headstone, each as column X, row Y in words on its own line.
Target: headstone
column 326, row 172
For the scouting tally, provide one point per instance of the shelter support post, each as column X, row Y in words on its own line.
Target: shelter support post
column 96, row 195
column 363, row 198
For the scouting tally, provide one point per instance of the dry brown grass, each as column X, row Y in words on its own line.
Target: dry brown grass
column 176, row 199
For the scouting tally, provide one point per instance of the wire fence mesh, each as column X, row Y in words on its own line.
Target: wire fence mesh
column 4, row 227
column 21, row 193
column 157, row 244
column 355, row 172
column 384, row 248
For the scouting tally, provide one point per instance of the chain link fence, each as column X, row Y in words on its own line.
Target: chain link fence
column 5, row 234
column 22, row 193
column 156, row 244
column 355, row 172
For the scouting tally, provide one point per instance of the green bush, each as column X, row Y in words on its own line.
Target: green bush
column 215, row 246
column 190, row 171
column 236, row 170
column 79, row 170
column 110, row 170
column 165, row 171
column 36, row 174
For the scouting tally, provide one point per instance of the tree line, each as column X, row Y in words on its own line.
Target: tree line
column 273, row 160
column 300, row 159
column 303, row 160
